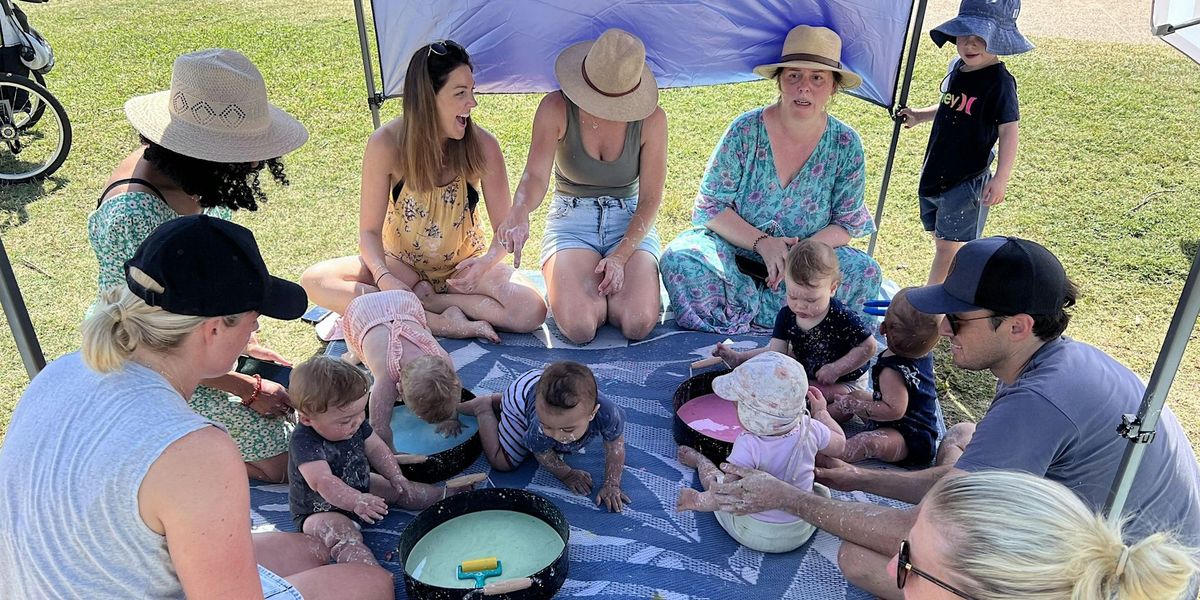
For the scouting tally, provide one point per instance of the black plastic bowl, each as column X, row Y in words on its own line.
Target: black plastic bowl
column 447, row 463
column 694, row 387
column 545, row 583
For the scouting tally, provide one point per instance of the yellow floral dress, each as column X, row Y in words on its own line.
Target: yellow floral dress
column 434, row 231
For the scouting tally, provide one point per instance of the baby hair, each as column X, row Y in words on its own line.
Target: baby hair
column 1019, row 536
column 910, row 332
column 324, row 382
column 122, row 322
column 430, row 388
column 810, row 261
column 565, row 384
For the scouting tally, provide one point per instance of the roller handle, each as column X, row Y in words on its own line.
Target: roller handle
column 704, row 363
column 466, row 480
column 505, row 587
column 410, row 459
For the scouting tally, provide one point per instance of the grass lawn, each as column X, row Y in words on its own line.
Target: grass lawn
column 1107, row 174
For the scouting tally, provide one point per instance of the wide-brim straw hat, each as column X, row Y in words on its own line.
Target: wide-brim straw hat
column 995, row 21
column 609, row 77
column 216, row 110
column 811, row 48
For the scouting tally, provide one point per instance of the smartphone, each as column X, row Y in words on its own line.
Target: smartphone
column 315, row 314
column 756, row 270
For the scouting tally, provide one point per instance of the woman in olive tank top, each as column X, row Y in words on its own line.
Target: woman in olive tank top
column 606, row 139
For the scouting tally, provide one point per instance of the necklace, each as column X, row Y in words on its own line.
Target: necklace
column 595, row 124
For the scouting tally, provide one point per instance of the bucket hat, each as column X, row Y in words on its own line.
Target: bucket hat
column 609, row 77
column 216, row 110
column 1007, row 275
column 811, row 48
column 209, row 267
column 993, row 20
column 770, row 390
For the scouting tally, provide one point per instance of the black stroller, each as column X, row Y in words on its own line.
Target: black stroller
column 35, row 134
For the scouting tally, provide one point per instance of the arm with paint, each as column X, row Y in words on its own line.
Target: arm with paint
column 733, row 358
column 381, row 459
column 576, row 480
column 320, row 478
column 818, row 411
column 858, row 356
column 614, row 467
column 549, row 126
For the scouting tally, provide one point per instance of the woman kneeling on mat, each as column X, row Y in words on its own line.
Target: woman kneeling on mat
column 418, row 227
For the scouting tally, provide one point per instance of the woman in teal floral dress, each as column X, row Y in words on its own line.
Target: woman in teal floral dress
column 780, row 174
column 204, row 143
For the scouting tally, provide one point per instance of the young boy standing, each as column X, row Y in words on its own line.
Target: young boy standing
column 978, row 107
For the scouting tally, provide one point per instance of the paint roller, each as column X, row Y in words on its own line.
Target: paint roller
column 705, row 363
column 480, row 569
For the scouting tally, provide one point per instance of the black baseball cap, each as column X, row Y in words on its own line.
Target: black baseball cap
column 211, row 267
column 1006, row 275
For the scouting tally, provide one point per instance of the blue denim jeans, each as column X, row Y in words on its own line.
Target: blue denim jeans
column 957, row 214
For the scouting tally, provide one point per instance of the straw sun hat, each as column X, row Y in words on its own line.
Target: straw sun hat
column 811, row 48
column 609, row 77
column 216, row 110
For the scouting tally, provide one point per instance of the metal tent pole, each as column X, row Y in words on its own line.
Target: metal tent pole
column 373, row 97
column 905, row 84
column 1139, row 429
column 18, row 318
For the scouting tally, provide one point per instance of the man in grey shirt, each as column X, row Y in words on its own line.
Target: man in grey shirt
column 1055, row 412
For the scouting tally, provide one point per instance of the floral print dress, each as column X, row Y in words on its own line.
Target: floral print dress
column 708, row 292
column 115, row 230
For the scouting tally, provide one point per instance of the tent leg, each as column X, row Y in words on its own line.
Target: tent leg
column 1140, row 429
column 373, row 99
column 18, row 318
column 905, row 85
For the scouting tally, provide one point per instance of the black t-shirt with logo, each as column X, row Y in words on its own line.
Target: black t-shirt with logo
column 974, row 104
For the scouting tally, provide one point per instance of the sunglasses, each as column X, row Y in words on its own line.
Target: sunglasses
column 954, row 320
column 903, row 567
column 443, row 47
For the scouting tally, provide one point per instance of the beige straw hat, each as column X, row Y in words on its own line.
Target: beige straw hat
column 609, row 77
column 216, row 110
column 812, row 48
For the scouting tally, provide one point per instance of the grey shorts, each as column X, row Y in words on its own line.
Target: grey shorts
column 596, row 224
column 957, row 214
column 275, row 587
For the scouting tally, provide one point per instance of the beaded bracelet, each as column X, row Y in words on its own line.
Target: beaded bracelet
column 754, row 247
column 257, row 389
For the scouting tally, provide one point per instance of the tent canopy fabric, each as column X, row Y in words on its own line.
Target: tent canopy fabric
column 1177, row 13
column 699, row 42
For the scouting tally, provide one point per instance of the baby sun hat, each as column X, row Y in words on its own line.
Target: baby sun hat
column 993, row 20
column 770, row 390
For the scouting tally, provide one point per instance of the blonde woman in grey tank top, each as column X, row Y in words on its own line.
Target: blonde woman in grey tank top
column 605, row 137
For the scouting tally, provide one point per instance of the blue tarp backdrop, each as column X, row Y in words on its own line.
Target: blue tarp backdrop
column 688, row 42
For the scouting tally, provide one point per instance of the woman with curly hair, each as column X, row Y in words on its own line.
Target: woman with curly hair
column 204, row 143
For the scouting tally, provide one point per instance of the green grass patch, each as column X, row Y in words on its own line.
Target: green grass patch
column 1107, row 174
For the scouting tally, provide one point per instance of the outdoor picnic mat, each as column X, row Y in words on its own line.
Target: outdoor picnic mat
column 649, row 550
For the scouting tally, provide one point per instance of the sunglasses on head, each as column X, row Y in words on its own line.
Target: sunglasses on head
column 903, row 567
column 443, row 47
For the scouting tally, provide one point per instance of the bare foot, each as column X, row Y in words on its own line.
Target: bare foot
column 457, row 325
column 423, row 289
column 689, row 499
column 689, row 456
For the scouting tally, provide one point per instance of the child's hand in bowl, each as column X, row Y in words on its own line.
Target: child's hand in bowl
column 450, row 427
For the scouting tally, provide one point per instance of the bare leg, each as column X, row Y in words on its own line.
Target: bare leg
column 868, row 570
column 571, row 284
column 286, row 554
column 690, row 499
column 884, row 444
column 832, row 390
column 503, row 298
column 635, row 309
column 453, row 323
column 943, row 256
column 335, row 582
column 955, row 442
column 270, row 470
column 341, row 536
column 383, row 391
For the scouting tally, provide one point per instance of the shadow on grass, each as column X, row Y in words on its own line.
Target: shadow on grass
column 16, row 197
column 1189, row 248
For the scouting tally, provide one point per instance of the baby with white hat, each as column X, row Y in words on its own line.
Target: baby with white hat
column 780, row 437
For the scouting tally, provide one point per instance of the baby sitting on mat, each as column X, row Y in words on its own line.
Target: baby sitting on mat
column 551, row 412
column 387, row 331
column 779, row 437
column 331, row 487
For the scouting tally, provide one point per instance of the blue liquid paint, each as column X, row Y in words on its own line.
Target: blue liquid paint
column 414, row 436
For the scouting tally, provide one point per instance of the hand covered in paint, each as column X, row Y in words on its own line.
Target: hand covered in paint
column 731, row 357
column 272, row 401
column 370, row 508
column 773, row 251
column 578, row 481
column 450, row 427
column 614, row 276
column 816, row 401
column 827, row 375
column 993, row 192
column 513, row 233
column 612, row 497
column 753, row 491
column 399, row 484
column 835, row 473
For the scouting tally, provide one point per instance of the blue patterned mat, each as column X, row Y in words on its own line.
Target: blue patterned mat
column 649, row 550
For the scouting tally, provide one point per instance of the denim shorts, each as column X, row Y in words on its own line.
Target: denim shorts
column 596, row 224
column 275, row 587
column 957, row 214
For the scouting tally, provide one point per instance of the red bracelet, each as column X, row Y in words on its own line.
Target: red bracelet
column 257, row 390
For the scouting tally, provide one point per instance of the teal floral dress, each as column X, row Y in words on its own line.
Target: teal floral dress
column 708, row 292
column 115, row 230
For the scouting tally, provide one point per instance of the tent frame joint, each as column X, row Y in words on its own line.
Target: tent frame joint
column 1131, row 429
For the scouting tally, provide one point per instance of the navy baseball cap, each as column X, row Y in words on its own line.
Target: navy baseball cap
column 1006, row 275
column 211, row 267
